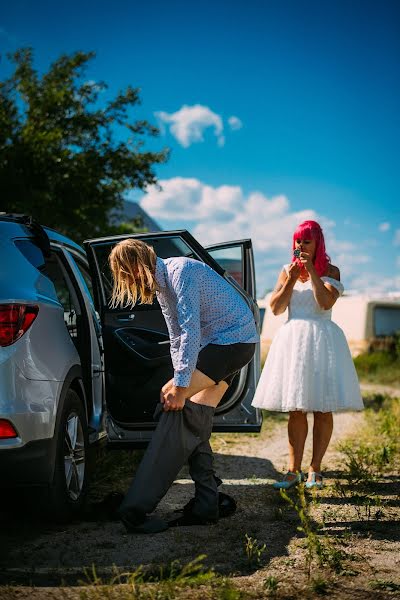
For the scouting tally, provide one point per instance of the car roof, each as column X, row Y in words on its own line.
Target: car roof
column 16, row 228
column 54, row 236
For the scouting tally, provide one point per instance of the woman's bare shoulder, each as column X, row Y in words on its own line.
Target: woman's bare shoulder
column 333, row 272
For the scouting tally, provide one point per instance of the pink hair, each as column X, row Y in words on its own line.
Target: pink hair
column 311, row 230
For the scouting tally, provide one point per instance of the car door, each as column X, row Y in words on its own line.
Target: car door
column 137, row 352
column 95, row 350
column 237, row 261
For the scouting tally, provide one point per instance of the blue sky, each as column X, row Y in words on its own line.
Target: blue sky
column 274, row 111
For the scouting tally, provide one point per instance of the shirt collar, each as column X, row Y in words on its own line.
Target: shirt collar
column 161, row 273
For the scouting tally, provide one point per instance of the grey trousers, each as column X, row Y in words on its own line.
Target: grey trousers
column 180, row 437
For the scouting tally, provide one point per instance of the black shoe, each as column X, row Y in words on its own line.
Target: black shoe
column 148, row 525
column 226, row 505
column 189, row 519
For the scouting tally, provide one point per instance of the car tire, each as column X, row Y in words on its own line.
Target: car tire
column 68, row 489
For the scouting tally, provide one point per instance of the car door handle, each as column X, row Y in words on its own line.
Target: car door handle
column 126, row 319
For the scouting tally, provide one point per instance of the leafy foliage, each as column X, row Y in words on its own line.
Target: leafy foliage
column 381, row 367
column 60, row 157
column 367, row 460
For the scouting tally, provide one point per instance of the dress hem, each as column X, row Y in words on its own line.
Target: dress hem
column 307, row 410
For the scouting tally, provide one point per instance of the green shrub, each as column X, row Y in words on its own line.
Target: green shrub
column 396, row 345
column 371, row 363
column 376, row 450
column 381, row 367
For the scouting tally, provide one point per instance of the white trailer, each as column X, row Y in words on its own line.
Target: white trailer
column 365, row 320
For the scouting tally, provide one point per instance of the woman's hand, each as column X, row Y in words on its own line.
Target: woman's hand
column 307, row 262
column 294, row 272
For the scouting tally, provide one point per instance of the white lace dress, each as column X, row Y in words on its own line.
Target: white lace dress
column 309, row 365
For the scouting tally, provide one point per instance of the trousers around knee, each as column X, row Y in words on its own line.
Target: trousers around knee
column 201, row 469
column 176, row 437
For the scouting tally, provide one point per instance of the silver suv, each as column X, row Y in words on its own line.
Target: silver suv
column 74, row 371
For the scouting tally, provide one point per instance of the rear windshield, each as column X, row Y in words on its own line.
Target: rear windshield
column 32, row 253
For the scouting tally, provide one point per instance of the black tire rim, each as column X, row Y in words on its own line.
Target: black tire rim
column 74, row 455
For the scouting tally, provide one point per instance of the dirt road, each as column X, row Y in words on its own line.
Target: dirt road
column 247, row 463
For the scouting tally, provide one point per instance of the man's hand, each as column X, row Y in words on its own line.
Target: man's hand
column 173, row 397
column 165, row 388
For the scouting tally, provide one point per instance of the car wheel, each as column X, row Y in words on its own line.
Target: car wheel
column 68, row 490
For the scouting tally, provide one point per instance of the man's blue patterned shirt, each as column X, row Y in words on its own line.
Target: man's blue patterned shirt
column 200, row 307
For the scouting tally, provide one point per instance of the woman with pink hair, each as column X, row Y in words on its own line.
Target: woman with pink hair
column 309, row 366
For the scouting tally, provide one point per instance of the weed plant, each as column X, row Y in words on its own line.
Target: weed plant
column 319, row 585
column 161, row 583
column 271, row 584
column 373, row 454
column 376, row 449
column 254, row 551
column 320, row 550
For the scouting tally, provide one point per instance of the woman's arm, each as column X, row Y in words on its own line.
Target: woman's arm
column 283, row 290
column 325, row 295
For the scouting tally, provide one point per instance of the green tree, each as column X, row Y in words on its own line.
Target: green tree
column 60, row 158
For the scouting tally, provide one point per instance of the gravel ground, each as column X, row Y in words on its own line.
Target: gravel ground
column 48, row 555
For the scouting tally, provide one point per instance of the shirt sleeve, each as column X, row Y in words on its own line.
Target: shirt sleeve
column 186, row 284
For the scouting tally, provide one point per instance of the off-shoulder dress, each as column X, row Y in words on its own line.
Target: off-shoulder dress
column 309, row 366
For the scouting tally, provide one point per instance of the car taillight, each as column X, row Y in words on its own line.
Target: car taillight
column 15, row 320
column 7, row 430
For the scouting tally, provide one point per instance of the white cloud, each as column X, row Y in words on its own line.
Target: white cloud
column 353, row 259
column 221, row 213
column 384, row 227
column 224, row 213
column 339, row 246
column 235, row 123
column 349, row 223
column 375, row 284
column 349, row 263
column 188, row 124
column 218, row 214
column 396, row 240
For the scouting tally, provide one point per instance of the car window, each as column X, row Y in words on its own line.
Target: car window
column 83, row 270
column 86, row 281
column 32, row 253
column 231, row 261
column 55, row 271
column 164, row 247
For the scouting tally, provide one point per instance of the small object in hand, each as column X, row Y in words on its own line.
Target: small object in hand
column 296, row 253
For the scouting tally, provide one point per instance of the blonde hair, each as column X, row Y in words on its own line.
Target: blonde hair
column 133, row 265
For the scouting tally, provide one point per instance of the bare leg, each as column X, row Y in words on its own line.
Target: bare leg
column 322, row 432
column 297, row 431
column 202, row 389
column 211, row 396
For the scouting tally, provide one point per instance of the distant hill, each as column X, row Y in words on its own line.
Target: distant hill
column 132, row 211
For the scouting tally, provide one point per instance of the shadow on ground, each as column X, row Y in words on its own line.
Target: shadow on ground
column 42, row 554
